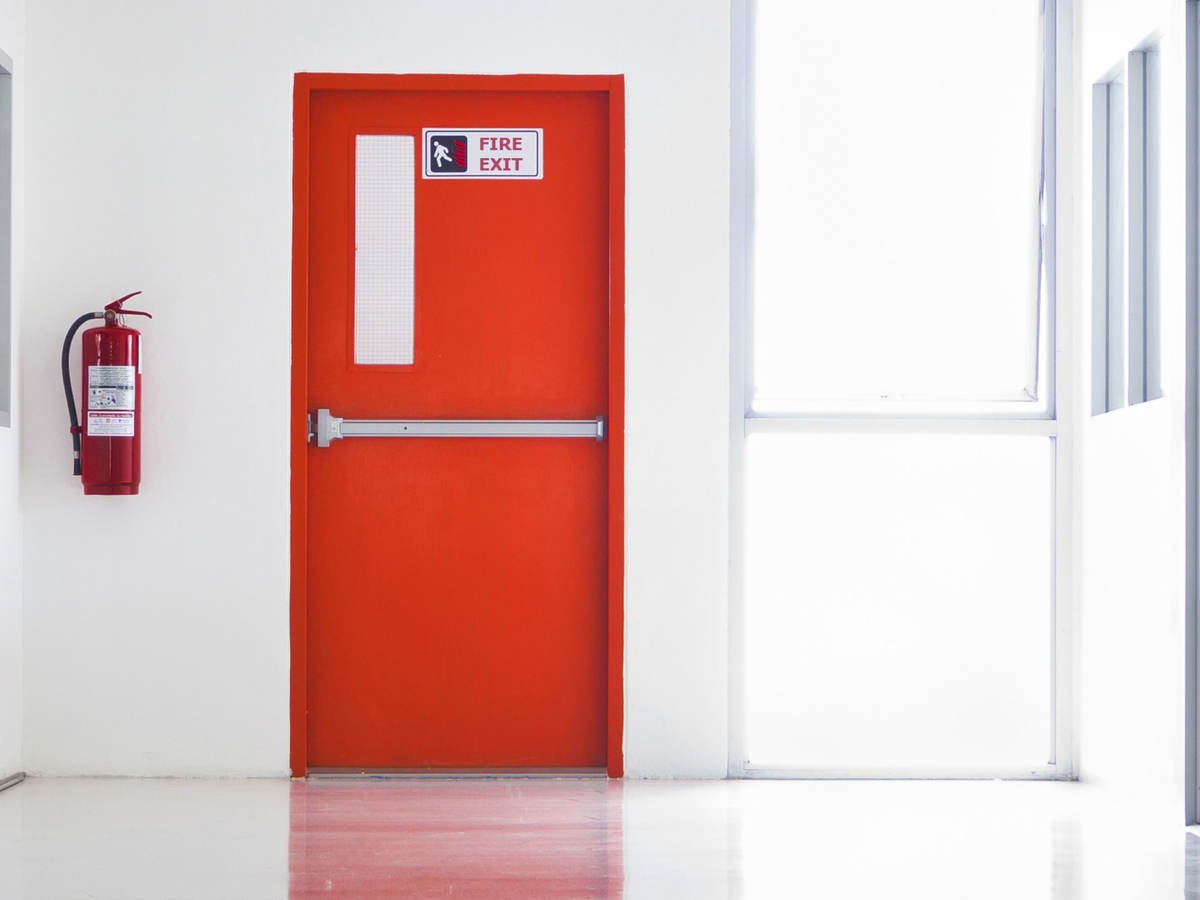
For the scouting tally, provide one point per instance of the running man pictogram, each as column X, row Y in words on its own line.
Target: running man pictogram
column 447, row 154
column 441, row 155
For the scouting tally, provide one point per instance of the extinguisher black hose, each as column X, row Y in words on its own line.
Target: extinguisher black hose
column 66, row 373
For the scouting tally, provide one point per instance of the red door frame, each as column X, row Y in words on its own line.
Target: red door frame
column 614, row 86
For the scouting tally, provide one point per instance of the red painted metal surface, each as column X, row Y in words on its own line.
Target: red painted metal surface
column 111, row 465
column 457, row 602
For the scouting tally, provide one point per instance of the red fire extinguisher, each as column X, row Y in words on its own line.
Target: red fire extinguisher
column 109, row 457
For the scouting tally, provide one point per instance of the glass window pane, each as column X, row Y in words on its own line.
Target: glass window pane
column 898, row 600
column 383, row 257
column 897, row 154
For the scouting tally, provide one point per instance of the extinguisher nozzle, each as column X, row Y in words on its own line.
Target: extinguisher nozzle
column 78, row 467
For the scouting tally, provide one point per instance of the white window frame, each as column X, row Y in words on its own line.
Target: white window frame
column 7, row 335
column 1108, row 235
column 1048, row 415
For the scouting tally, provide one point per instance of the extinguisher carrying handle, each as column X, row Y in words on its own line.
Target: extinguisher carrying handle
column 115, row 307
column 66, row 375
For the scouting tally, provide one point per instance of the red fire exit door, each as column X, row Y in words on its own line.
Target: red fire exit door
column 456, row 469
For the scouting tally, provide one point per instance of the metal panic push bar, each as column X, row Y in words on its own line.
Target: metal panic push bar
column 329, row 428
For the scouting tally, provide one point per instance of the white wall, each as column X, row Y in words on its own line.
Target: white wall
column 159, row 147
column 1132, row 513
column 159, row 143
column 12, row 42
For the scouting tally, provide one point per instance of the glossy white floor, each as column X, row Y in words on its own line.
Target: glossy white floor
column 119, row 838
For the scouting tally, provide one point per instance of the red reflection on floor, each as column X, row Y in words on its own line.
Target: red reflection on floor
column 510, row 837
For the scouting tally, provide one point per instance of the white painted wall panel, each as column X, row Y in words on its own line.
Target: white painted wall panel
column 160, row 158
column 1131, row 516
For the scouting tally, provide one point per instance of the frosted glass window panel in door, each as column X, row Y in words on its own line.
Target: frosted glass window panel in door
column 898, row 162
column 898, row 601
column 383, row 255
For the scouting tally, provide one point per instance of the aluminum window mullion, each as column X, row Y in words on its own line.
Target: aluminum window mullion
column 741, row 355
column 867, row 425
column 905, row 773
column 1042, row 335
column 1192, row 409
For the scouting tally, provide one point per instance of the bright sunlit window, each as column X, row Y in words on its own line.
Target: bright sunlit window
column 897, row 227
column 901, row 596
column 897, row 490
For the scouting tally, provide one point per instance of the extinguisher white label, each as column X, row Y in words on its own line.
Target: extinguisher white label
column 112, row 399
column 110, row 424
column 111, row 387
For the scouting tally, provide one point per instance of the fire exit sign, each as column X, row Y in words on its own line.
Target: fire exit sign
column 482, row 153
